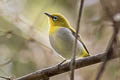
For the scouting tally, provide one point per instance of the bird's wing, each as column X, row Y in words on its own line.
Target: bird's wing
column 74, row 33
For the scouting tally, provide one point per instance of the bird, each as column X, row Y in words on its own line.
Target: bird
column 62, row 37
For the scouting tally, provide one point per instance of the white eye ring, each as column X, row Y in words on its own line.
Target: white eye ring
column 54, row 18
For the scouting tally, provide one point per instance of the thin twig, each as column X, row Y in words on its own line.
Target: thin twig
column 76, row 37
column 109, row 52
column 109, row 49
column 111, row 43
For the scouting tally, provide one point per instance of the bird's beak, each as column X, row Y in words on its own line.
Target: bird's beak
column 48, row 15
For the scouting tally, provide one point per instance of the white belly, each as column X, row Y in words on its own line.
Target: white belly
column 63, row 42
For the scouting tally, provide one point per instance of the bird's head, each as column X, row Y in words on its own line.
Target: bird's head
column 57, row 20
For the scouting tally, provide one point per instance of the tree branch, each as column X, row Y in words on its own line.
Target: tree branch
column 52, row 71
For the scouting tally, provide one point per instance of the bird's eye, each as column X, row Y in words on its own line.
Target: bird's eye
column 55, row 18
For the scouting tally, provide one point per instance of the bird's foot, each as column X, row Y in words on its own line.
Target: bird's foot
column 59, row 64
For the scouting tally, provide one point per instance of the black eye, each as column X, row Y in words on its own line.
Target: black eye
column 55, row 18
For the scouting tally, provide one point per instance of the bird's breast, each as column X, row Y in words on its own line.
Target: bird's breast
column 62, row 41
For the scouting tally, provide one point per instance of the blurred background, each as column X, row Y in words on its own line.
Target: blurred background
column 24, row 42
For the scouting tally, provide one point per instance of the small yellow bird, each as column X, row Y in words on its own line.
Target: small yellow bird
column 62, row 37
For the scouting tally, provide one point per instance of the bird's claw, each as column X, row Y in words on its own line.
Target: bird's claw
column 59, row 64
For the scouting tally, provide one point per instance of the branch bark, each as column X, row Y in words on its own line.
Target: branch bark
column 52, row 71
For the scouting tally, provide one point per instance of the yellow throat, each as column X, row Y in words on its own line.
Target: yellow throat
column 56, row 21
